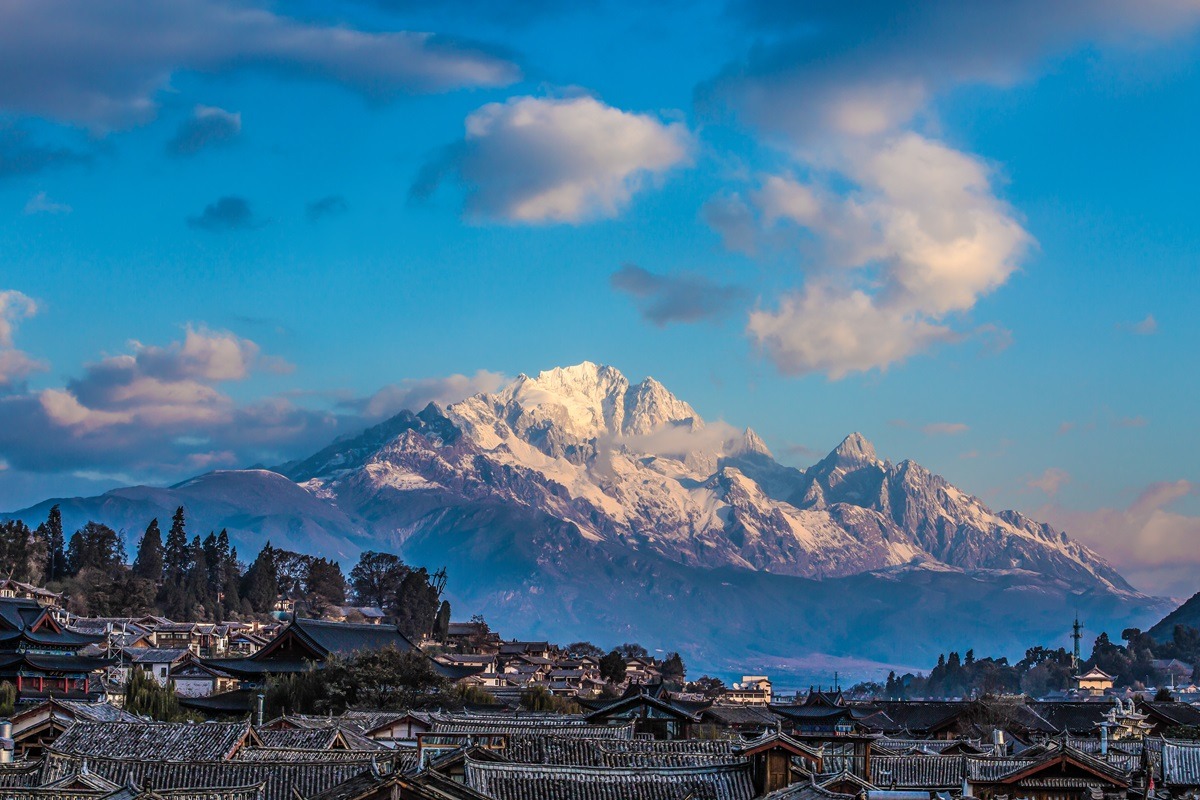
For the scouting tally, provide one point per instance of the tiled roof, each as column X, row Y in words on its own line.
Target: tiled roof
column 278, row 779
column 154, row 741
column 1173, row 713
column 584, row 731
column 626, row 753
column 545, row 782
column 917, row 772
column 284, row 754
column 157, row 655
column 1073, row 717
column 1181, row 763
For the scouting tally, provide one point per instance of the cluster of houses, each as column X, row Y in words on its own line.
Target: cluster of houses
column 70, row 739
column 647, row 744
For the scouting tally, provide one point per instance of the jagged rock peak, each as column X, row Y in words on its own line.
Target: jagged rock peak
column 855, row 449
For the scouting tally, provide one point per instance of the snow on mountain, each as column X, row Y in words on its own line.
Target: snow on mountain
column 634, row 465
column 569, row 503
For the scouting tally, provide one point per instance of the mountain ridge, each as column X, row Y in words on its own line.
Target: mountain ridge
column 548, row 494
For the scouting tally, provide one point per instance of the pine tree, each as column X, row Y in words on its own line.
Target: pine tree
column 197, row 601
column 149, row 561
column 56, row 555
column 176, row 560
column 231, row 600
column 260, row 587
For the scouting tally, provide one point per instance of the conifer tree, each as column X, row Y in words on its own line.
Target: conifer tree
column 260, row 585
column 56, row 554
column 231, row 601
column 149, row 561
column 176, row 560
column 197, row 601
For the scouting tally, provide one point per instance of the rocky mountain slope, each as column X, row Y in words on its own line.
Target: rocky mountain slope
column 570, row 503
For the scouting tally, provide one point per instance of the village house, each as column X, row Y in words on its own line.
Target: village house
column 10, row 588
column 40, row 657
column 752, row 690
column 1095, row 681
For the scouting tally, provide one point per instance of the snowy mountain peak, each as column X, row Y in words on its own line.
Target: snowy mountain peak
column 855, row 450
column 589, row 401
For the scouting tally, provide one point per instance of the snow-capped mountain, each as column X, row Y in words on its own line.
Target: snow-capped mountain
column 635, row 465
column 569, row 503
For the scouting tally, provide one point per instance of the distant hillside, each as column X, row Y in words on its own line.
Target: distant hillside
column 576, row 504
column 1187, row 614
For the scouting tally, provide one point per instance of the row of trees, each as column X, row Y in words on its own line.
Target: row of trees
column 1043, row 670
column 202, row 579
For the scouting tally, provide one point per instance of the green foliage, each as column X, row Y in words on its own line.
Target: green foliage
column 149, row 561
column 56, row 555
column 376, row 578
column 582, row 649
column 441, row 623
column 633, row 650
column 468, row 694
column 708, row 686
column 177, row 558
column 415, row 604
column 22, row 551
column 260, row 587
column 95, row 545
column 324, row 583
column 539, row 698
column 8, row 699
column 385, row 679
column 612, row 667
column 673, row 668
column 145, row 698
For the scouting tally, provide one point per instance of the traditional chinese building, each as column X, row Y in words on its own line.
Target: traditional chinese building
column 41, row 658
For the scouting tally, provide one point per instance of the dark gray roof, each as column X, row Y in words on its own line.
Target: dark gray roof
column 617, row 753
column 278, row 779
column 545, row 782
column 155, row 741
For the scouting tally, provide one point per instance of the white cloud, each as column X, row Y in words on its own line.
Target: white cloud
column 825, row 329
column 415, row 394
column 1050, row 481
column 15, row 364
column 1157, row 548
column 944, row 428
column 548, row 160
column 1146, row 326
column 898, row 235
column 920, row 236
column 40, row 203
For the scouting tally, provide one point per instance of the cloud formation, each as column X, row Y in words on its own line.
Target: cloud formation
column 898, row 235
column 229, row 213
column 20, row 155
column 162, row 412
column 103, row 65
column 918, row 238
column 41, row 203
column 1050, row 481
column 556, row 160
column 208, row 126
column 1146, row 326
column 682, row 297
column 870, row 68
column 1156, row 548
column 15, row 365
column 415, row 394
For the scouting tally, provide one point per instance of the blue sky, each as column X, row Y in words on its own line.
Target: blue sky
column 231, row 231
